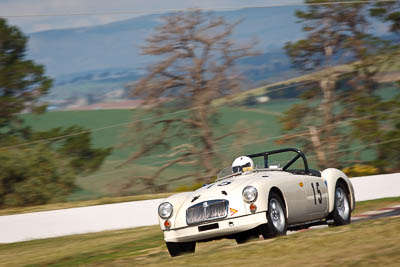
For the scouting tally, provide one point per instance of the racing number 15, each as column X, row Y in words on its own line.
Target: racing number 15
column 319, row 192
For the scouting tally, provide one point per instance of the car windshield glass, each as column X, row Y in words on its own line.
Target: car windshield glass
column 225, row 172
column 275, row 162
column 228, row 171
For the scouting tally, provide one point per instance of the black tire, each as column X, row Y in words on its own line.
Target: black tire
column 179, row 248
column 277, row 215
column 242, row 238
column 341, row 212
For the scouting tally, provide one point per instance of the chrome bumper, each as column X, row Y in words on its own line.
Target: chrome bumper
column 225, row 227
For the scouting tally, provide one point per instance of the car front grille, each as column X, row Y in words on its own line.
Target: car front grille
column 207, row 211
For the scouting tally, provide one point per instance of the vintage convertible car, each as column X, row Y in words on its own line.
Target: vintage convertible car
column 247, row 200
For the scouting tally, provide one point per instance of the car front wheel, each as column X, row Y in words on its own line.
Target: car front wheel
column 242, row 238
column 276, row 215
column 179, row 248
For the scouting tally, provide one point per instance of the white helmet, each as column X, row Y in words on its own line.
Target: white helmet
column 242, row 164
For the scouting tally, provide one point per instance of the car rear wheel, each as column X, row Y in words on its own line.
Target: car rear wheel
column 276, row 215
column 179, row 248
column 341, row 211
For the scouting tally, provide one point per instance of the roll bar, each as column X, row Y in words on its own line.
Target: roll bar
column 299, row 155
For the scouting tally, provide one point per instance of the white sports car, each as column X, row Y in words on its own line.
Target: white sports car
column 247, row 201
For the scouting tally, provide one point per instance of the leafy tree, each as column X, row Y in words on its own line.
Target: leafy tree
column 22, row 82
column 33, row 175
column 336, row 34
column 43, row 171
column 196, row 60
column 388, row 12
column 388, row 156
column 75, row 147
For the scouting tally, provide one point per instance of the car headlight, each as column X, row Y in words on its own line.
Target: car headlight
column 249, row 193
column 165, row 210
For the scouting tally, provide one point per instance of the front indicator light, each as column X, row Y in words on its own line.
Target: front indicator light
column 167, row 224
column 253, row 208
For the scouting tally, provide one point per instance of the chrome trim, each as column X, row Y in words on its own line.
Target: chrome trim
column 207, row 211
column 172, row 212
column 221, row 220
column 254, row 200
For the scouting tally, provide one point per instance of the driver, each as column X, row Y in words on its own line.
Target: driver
column 242, row 164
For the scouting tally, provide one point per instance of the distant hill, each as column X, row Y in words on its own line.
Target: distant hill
column 268, row 67
column 93, row 61
column 118, row 44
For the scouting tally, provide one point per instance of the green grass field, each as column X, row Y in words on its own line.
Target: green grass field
column 368, row 243
column 95, row 119
column 260, row 121
column 263, row 116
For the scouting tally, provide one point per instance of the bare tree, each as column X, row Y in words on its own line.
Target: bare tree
column 196, row 65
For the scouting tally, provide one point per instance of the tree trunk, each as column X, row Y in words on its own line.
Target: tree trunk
column 326, row 107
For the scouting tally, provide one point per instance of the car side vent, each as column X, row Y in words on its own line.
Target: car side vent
column 195, row 198
column 224, row 192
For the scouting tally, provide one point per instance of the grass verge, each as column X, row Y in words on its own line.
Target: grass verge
column 375, row 204
column 360, row 244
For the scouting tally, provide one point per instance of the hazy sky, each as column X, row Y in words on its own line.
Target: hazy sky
column 44, row 7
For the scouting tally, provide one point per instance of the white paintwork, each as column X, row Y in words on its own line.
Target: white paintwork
column 331, row 176
column 20, row 227
column 306, row 198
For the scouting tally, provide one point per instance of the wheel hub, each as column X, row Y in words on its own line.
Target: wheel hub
column 342, row 204
column 277, row 215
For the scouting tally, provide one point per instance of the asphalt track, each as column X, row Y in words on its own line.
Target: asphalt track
column 391, row 211
column 382, row 213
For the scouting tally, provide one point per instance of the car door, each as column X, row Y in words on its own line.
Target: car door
column 292, row 188
column 316, row 197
